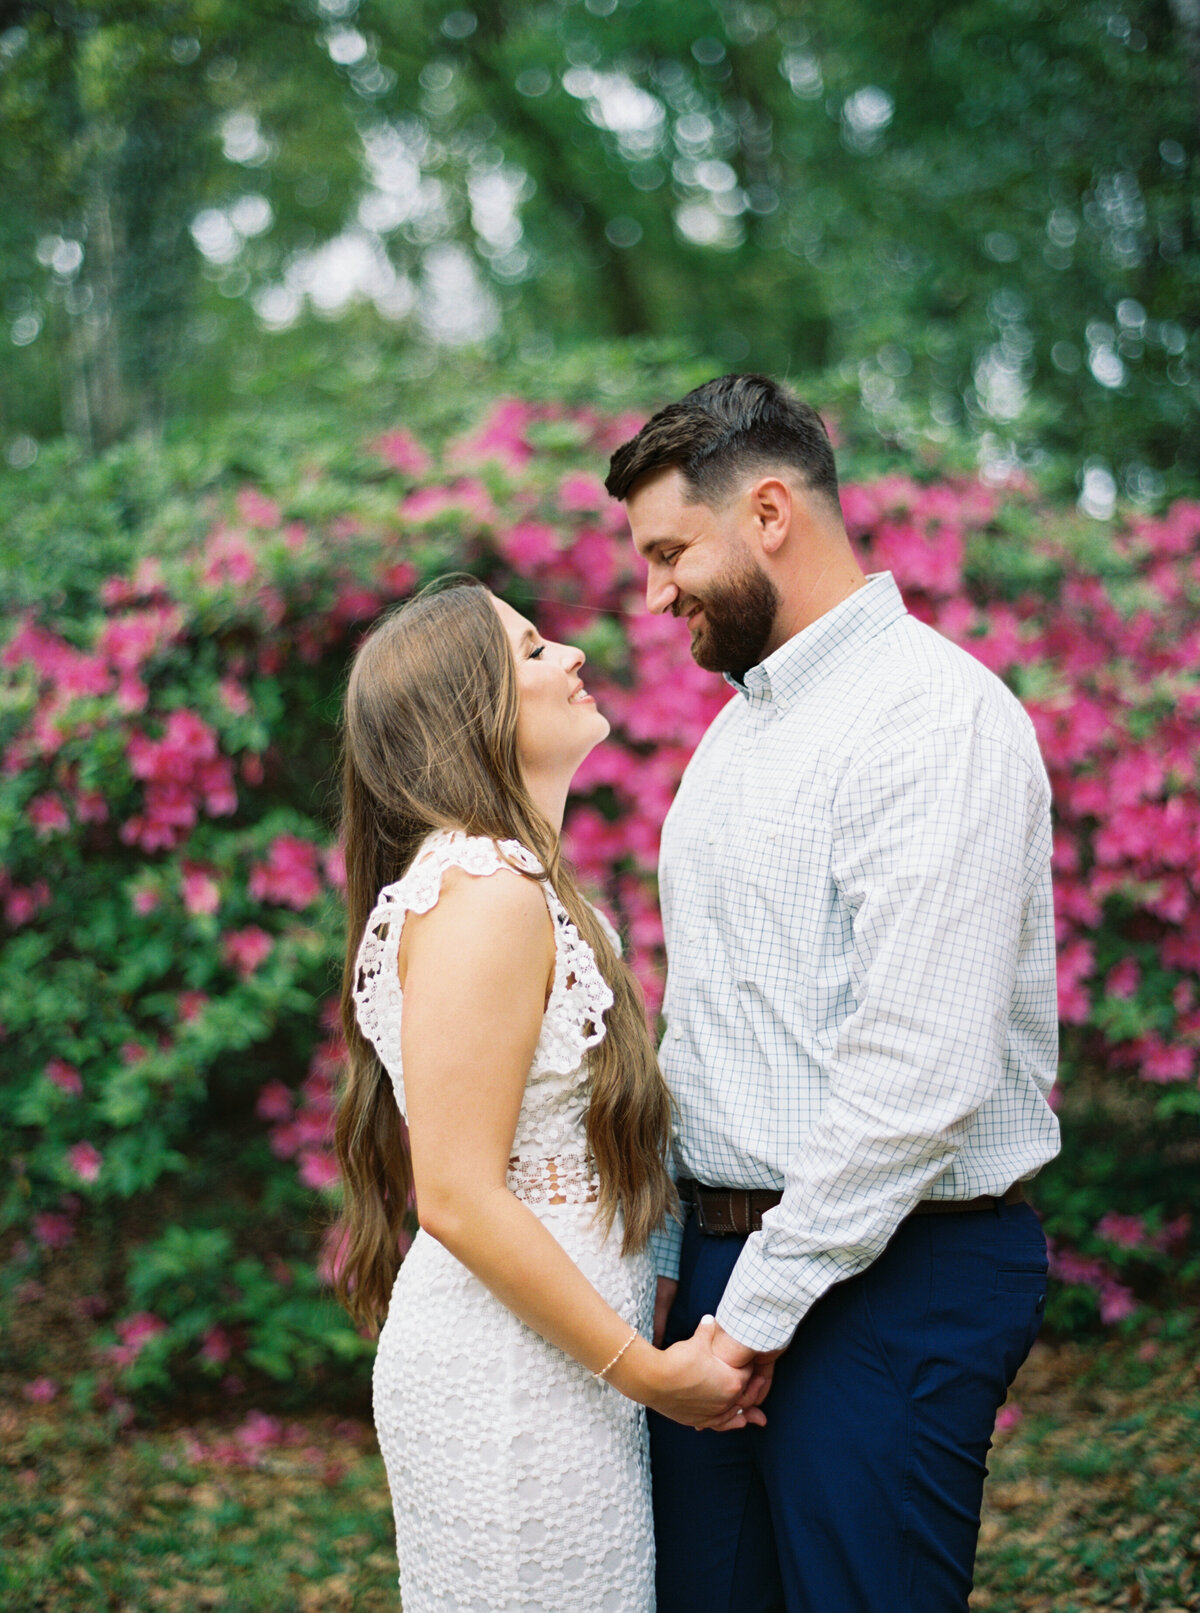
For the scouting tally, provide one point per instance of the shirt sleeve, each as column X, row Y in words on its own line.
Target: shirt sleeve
column 665, row 1246
column 931, row 859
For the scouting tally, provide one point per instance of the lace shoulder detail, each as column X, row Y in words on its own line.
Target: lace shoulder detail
column 579, row 999
column 376, row 991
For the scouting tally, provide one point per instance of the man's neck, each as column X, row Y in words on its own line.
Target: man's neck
column 813, row 597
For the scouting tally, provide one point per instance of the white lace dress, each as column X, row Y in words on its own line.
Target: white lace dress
column 519, row 1483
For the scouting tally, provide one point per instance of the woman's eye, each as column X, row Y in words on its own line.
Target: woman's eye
column 533, row 654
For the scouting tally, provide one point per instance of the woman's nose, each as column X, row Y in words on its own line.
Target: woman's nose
column 575, row 657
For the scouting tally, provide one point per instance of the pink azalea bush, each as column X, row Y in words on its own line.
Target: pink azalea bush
column 171, row 936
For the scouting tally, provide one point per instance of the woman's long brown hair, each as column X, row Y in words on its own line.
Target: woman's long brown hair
column 429, row 742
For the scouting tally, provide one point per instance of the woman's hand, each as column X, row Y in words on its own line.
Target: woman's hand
column 691, row 1384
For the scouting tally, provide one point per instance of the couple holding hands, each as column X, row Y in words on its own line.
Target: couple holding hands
column 797, row 1237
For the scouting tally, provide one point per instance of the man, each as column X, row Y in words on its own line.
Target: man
column 861, row 1035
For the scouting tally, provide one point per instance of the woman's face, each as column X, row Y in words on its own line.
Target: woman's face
column 558, row 722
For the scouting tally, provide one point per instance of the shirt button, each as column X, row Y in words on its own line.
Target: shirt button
column 678, row 1035
column 771, row 833
column 693, row 935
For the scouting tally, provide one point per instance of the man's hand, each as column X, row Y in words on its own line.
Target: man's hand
column 740, row 1355
column 664, row 1298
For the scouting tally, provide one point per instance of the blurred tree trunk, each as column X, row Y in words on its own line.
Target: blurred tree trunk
column 614, row 275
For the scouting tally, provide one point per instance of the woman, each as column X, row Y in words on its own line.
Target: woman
column 512, row 1366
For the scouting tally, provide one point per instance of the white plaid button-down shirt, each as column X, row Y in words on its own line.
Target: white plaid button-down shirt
column 861, row 1004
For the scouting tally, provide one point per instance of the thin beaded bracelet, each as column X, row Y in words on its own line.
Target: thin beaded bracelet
column 602, row 1375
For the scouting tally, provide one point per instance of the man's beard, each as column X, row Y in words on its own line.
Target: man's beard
column 739, row 614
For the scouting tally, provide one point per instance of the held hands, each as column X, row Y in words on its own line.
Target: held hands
column 760, row 1364
column 729, row 1350
column 700, row 1387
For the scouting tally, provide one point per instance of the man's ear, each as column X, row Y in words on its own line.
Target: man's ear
column 771, row 505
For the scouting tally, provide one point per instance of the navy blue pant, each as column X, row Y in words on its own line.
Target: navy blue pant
column 862, row 1493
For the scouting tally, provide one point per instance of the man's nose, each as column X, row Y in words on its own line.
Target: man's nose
column 661, row 594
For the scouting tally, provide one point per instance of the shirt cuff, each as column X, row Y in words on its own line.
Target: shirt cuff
column 665, row 1246
column 758, row 1311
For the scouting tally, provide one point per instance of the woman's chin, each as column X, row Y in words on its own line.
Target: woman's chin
column 598, row 730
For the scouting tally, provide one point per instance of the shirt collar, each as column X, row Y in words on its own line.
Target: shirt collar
column 812, row 654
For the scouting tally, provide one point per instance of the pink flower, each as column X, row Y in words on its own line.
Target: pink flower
column 201, row 893
column 48, row 815
column 244, row 950
column 129, row 641
column 401, row 450
column 289, row 876
column 1116, row 1302
column 216, row 1346
column 318, row 1170
column 334, row 865
column 145, row 899
column 398, row 580
column 1126, row 1231
column 529, row 545
column 137, row 1330
column 190, row 1004
column 234, row 696
column 53, row 1229
column 182, row 770
column 355, row 603
column 1172, row 1235
column 579, row 490
column 274, row 1102
column 1008, row 1416
column 90, row 806
column 41, row 1391
column 20, row 905
column 64, row 1076
column 468, row 496
column 255, row 509
column 85, row 1161
column 1124, row 979
column 1074, row 966
column 259, row 1430
column 229, row 558
column 501, row 436
column 1167, row 1062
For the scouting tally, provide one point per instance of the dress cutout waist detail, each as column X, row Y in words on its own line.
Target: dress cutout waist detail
column 564, row 1179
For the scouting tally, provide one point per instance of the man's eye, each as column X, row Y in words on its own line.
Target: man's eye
column 668, row 556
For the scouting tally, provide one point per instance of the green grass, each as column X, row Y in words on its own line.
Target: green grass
column 89, row 1521
column 1093, row 1502
column 1094, row 1495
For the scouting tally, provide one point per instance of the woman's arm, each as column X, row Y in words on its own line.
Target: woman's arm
column 474, row 972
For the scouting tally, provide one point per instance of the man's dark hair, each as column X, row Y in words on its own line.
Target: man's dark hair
column 723, row 429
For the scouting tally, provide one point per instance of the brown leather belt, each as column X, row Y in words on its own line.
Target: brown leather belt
column 726, row 1212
